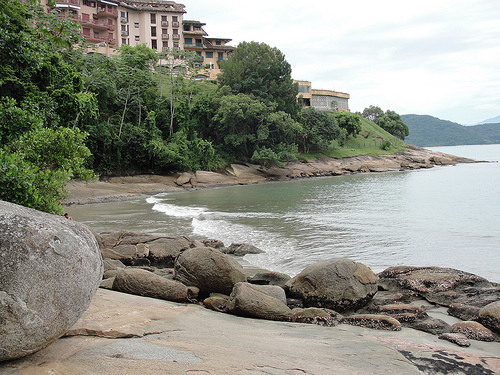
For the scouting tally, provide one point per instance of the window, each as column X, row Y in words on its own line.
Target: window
column 86, row 31
column 137, row 38
column 198, row 43
column 188, row 40
column 176, row 44
column 218, row 42
column 220, row 56
column 209, row 55
column 197, row 28
column 187, row 27
column 164, row 19
column 154, row 44
column 175, row 31
column 136, row 25
column 164, row 31
column 165, row 45
column 124, row 41
column 153, row 31
column 175, row 19
column 85, row 17
column 153, row 17
column 122, row 14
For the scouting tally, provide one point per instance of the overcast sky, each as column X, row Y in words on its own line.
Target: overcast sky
column 434, row 57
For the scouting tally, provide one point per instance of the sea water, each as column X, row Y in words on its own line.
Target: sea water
column 444, row 216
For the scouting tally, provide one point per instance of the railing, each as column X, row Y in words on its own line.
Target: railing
column 164, row 23
column 175, row 24
column 164, row 36
column 72, row 2
column 124, row 33
column 176, row 37
column 124, row 20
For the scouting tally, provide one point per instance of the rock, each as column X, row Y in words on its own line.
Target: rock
column 209, row 270
column 216, row 244
column 216, row 302
column 472, row 330
column 314, row 315
column 183, row 179
column 250, row 301
column 339, row 284
column 489, row 316
column 456, row 338
column 401, row 312
column 241, row 249
column 147, row 284
column 107, row 283
column 274, row 291
column 50, row 268
column 144, row 249
column 372, row 321
column 432, row 325
column 113, row 264
column 437, row 285
column 464, row 312
column 269, row 278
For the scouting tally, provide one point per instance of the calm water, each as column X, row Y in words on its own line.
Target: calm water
column 444, row 216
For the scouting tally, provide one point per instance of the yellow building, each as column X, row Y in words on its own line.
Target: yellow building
column 210, row 51
column 322, row 100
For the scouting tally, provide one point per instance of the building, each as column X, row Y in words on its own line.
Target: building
column 210, row 51
column 322, row 100
column 159, row 24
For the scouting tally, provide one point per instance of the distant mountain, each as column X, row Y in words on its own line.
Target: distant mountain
column 494, row 120
column 430, row 131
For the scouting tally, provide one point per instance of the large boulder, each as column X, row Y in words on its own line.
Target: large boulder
column 209, row 270
column 339, row 284
column 489, row 316
column 443, row 286
column 252, row 301
column 144, row 283
column 50, row 268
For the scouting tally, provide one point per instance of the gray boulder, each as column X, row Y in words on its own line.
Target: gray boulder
column 50, row 268
column 209, row 270
column 489, row 316
column 241, row 249
column 269, row 278
column 339, row 284
column 251, row 301
column 147, row 284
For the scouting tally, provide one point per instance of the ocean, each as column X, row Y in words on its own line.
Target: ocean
column 444, row 216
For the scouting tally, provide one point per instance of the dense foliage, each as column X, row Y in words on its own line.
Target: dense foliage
column 430, row 131
column 390, row 121
column 65, row 113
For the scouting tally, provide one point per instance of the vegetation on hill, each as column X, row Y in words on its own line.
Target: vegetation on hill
column 65, row 113
column 428, row 131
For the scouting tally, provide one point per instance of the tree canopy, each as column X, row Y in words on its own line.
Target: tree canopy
column 390, row 121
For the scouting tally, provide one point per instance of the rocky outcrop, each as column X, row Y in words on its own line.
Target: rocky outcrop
column 489, row 315
column 50, row 268
column 147, row 284
column 373, row 321
column 251, row 301
column 241, row 249
column 314, row 315
column 339, row 284
column 472, row 330
column 209, row 270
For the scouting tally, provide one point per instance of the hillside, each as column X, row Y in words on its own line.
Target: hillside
column 427, row 131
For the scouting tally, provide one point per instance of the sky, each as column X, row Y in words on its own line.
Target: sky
column 425, row 57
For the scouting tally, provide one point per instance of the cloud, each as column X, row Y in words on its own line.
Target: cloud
column 436, row 57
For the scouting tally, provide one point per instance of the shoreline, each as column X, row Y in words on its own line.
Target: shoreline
column 113, row 189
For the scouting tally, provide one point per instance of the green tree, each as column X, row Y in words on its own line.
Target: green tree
column 262, row 71
column 320, row 129
column 392, row 123
column 349, row 121
column 372, row 113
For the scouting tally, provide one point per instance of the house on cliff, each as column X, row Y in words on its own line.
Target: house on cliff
column 322, row 100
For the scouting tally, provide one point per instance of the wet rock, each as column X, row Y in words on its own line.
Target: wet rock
column 339, row 284
column 50, row 268
column 209, row 270
column 473, row 331
column 274, row 291
column 147, row 284
column 401, row 312
column 456, row 338
column 432, row 325
column 241, row 249
column 216, row 302
column 373, row 321
column 489, row 316
column 269, row 278
column 314, row 315
column 464, row 312
column 249, row 300
column 183, row 179
column 215, row 244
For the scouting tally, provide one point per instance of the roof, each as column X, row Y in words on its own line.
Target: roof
column 158, row 5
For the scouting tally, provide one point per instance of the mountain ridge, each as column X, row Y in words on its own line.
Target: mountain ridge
column 428, row 131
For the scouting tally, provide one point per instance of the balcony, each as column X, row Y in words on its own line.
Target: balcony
column 164, row 36
column 112, row 42
column 164, row 23
column 95, row 38
column 124, row 33
column 175, row 24
column 68, row 2
column 176, row 37
column 124, row 20
column 106, row 12
column 198, row 59
column 95, row 24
